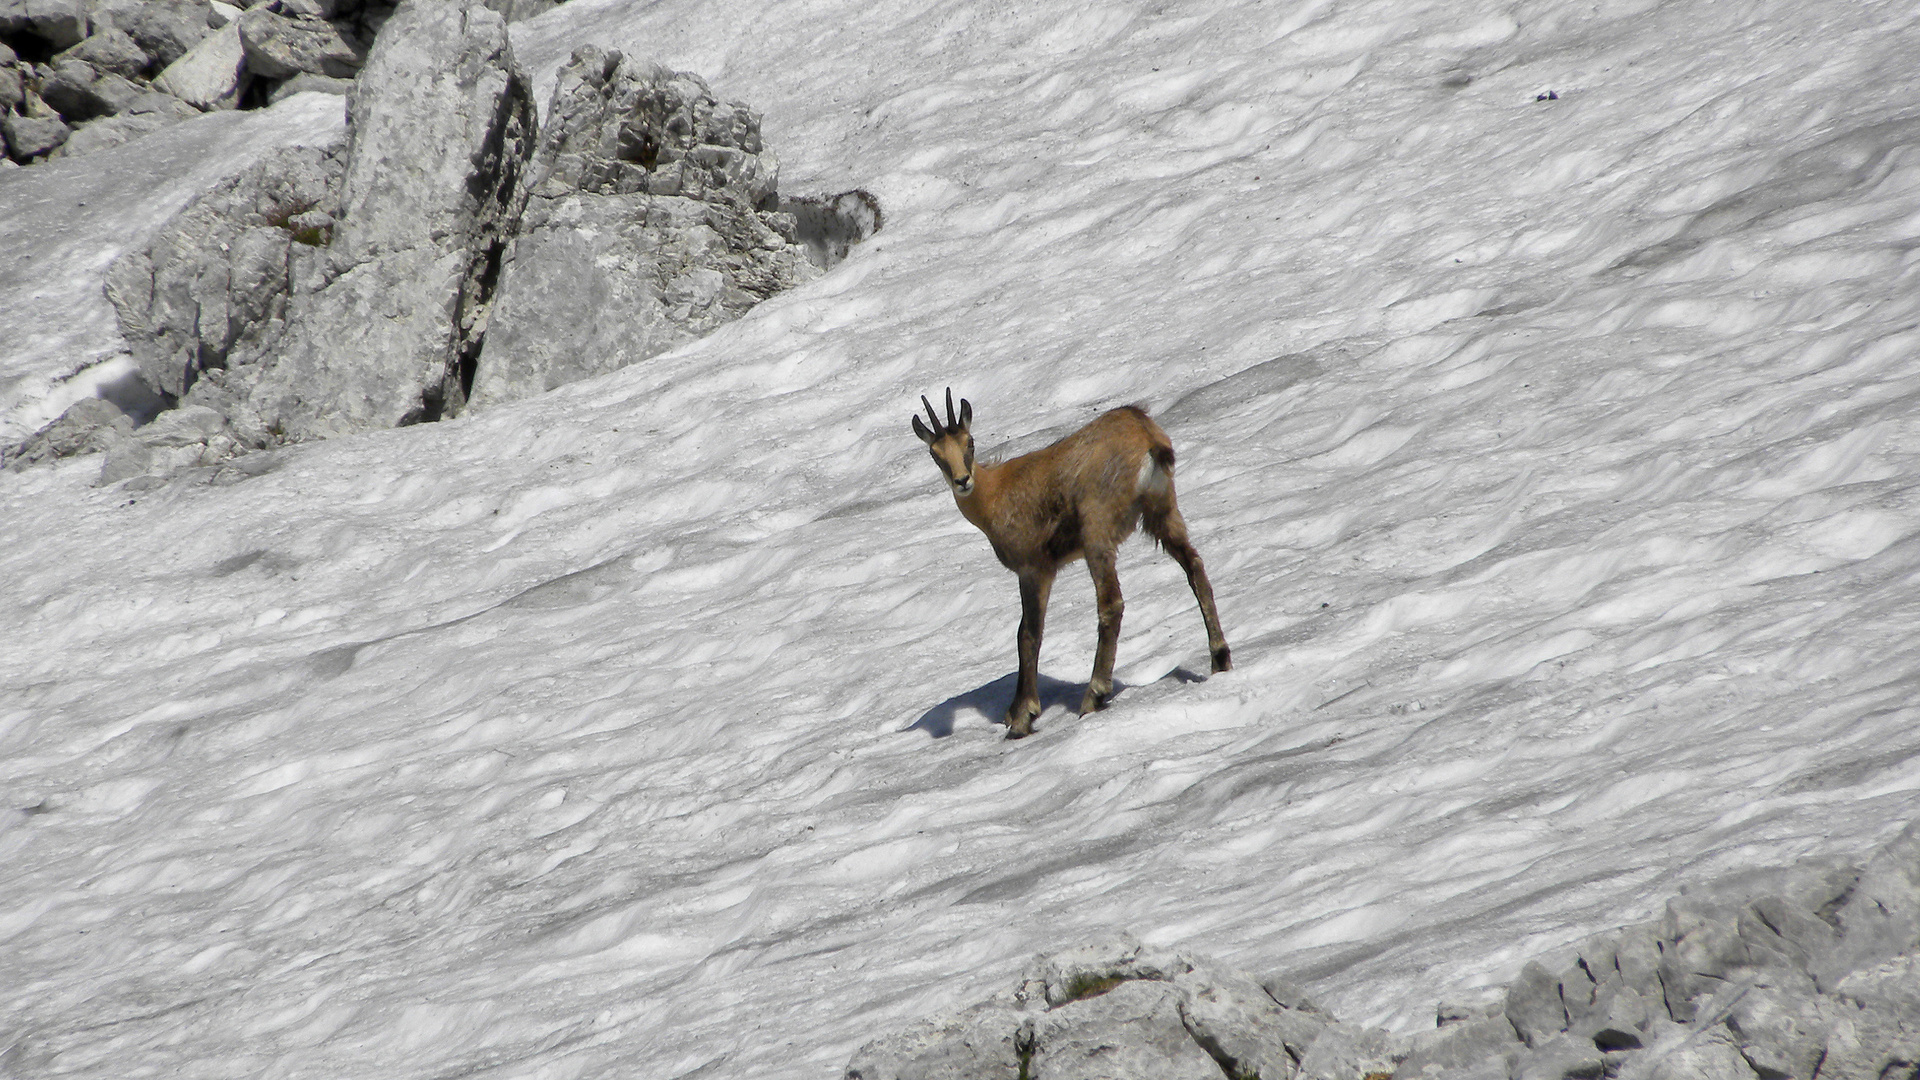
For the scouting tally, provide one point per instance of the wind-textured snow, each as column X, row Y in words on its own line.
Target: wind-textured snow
column 1556, row 462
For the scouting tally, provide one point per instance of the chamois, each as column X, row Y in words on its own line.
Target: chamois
column 1078, row 498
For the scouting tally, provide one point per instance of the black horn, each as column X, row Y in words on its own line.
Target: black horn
column 953, row 421
column 931, row 415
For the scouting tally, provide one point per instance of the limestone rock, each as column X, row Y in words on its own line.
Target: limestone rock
column 111, row 131
column 29, row 137
column 308, row 83
column 650, row 222
column 517, row 10
column 125, row 459
column 1130, row 1032
column 210, row 291
column 987, row 1042
column 1459, row 1045
column 1709, row 1055
column 110, row 49
column 211, row 75
column 1350, row 1052
column 1780, row 1034
column 88, row 426
column 441, row 125
column 165, row 30
column 1562, row 1057
column 1534, row 1006
column 60, row 23
column 1241, row 1026
column 278, row 48
column 13, row 89
column 79, row 93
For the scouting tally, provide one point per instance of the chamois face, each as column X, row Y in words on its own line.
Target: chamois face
column 951, row 444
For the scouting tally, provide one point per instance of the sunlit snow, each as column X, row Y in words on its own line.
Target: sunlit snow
column 1556, row 463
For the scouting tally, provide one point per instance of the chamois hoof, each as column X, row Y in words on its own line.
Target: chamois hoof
column 1094, row 701
column 1019, row 723
column 1222, row 659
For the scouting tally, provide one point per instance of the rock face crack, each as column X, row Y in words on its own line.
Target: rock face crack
column 653, row 217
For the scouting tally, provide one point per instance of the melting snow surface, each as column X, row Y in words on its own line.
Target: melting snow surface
column 1557, row 464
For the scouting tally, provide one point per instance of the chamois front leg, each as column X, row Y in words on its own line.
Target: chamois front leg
column 1035, row 586
column 1106, row 591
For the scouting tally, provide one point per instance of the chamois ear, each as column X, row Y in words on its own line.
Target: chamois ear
column 920, row 429
column 966, row 414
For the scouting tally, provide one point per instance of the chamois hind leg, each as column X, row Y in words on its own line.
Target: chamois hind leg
column 1165, row 524
column 1035, row 587
column 1106, row 591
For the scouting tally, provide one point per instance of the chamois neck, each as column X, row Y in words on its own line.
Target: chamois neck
column 977, row 505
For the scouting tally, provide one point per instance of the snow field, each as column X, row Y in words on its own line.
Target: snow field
column 1554, row 463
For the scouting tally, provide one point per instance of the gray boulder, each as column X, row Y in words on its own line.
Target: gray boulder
column 211, row 74
column 210, row 292
column 110, row 131
column 306, row 83
column 987, row 1042
column 652, row 220
column 29, row 137
column 165, row 30
column 79, row 93
column 1130, row 1032
column 13, row 88
column 279, row 48
column 87, row 426
column 61, row 24
column 441, row 125
column 110, row 49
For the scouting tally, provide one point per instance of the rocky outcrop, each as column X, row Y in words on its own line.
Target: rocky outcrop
column 441, row 126
column 653, row 217
column 1811, row 973
column 205, row 304
column 398, row 273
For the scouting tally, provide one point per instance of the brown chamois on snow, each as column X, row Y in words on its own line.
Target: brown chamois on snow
column 1078, row 498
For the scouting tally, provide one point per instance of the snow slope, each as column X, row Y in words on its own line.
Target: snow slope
column 1557, row 464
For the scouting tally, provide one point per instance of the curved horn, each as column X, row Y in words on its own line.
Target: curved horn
column 953, row 421
column 931, row 415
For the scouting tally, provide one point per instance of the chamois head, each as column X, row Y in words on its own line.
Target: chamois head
column 951, row 444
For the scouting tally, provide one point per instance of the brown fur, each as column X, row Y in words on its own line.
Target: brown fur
column 1078, row 498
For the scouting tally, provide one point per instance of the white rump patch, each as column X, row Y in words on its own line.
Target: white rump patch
column 1152, row 478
